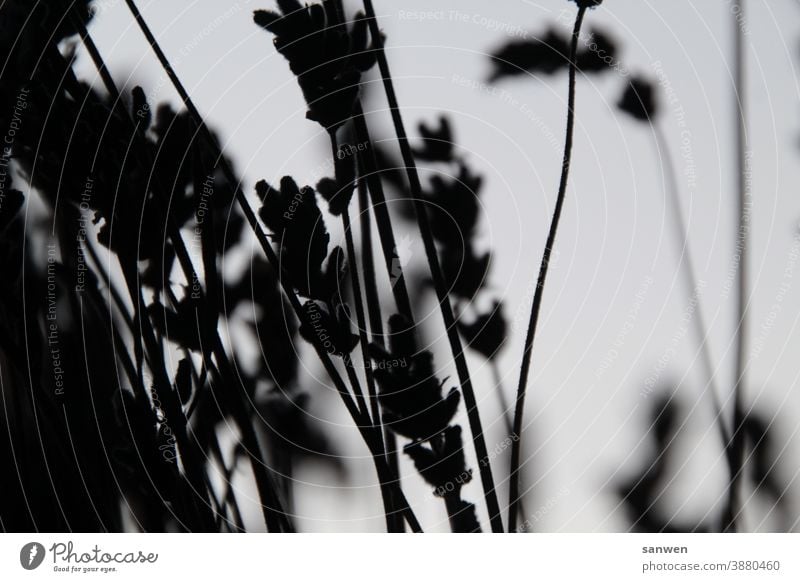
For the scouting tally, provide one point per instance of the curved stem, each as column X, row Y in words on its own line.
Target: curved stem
column 470, row 402
column 687, row 266
column 737, row 444
column 507, row 418
column 513, row 495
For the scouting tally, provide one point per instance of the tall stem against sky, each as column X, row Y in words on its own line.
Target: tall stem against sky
column 689, row 275
column 513, row 495
column 736, row 451
column 470, row 402
column 361, row 420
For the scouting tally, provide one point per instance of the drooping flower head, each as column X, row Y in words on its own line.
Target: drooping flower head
column 639, row 99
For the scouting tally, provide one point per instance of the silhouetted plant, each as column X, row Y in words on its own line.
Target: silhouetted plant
column 550, row 54
column 117, row 374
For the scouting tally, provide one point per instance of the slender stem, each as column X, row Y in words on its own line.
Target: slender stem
column 513, row 496
column 737, row 444
column 370, row 172
column 273, row 513
column 191, row 455
column 507, row 418
column 122, row 352
column 275, row 516
column 368, row 266
column 687, row 266
column 229, row 498
column 272, row 258
column 375, row 322
column 360, row 318
column 470, row 402
column 363, row 341
column 358, row 299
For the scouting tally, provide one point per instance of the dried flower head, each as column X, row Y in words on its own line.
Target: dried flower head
column 487, row 334
column 327, row 57
column 588, row 3
column 294, row 217
column 550, row 54
column 437, row 143
column 411, row 395
column 639, row 99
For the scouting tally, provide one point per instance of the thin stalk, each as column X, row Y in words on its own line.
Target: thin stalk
column 470, row 402
column 687, row 266
column 358, row 299
column 369, row 170
column 122, row 352
column 507, row 418
column 272, row 258
column 274, row 516
column 375, row 322
column 368, row 266
column 513, row 494
column 737, row 443
column 361, row 321
column 363, row 341
column 228, row 496
column 190, row 455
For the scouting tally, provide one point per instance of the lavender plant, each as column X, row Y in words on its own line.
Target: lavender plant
column 116, row 215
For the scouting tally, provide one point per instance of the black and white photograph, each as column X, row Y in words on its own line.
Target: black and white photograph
column 357, row 267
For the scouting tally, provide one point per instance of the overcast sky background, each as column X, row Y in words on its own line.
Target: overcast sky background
column 616, row 283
